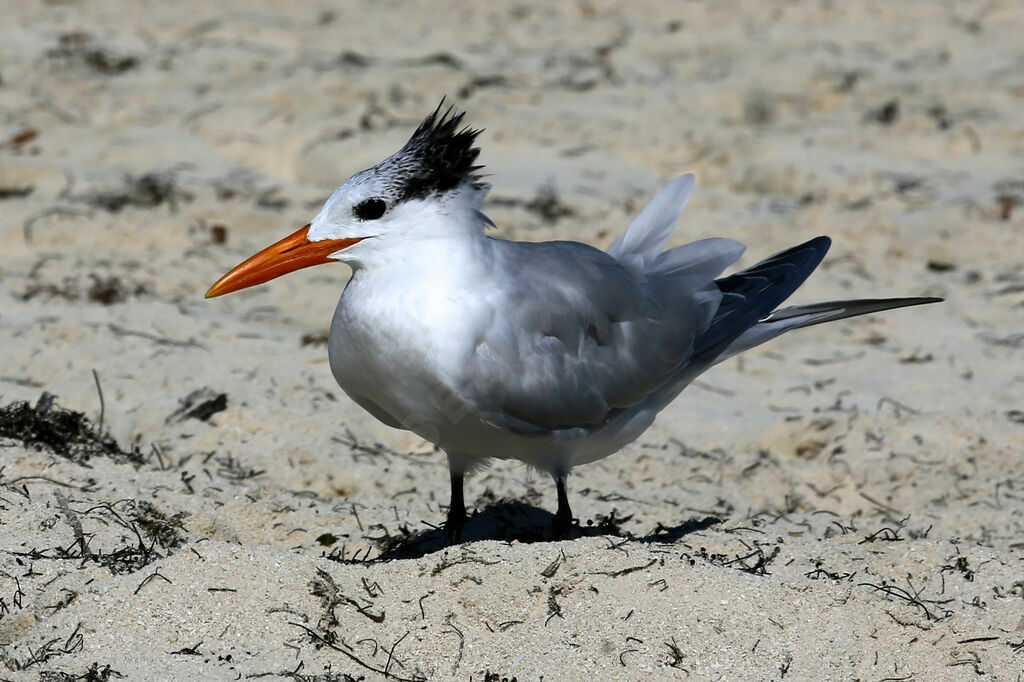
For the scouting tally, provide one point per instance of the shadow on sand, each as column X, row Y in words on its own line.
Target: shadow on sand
column 509, row 521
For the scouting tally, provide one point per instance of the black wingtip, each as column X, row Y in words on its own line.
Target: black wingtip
column 830, row 311
column 918, row 300
column 751, row 294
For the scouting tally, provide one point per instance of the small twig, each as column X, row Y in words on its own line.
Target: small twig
column 552, row 568
column 898, row 405
column 54, row 481
column 880, row 505
column 355, row 513
column 462, row 640
column 154, row 574
column 880, row 534
column 900, row 593
column 99, row 389
column 316, row 636
column 164, row 341
column 627, row 571
column 391, row 653
column 73, row 521
column 189, row 650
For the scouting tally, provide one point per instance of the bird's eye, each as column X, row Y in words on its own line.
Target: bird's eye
column 370, row 209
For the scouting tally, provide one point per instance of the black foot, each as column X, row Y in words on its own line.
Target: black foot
column 453, row 526
column 563, row 517
column 561, row 526
column 456, row 519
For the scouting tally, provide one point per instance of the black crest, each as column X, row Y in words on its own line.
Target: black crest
column 438, row 157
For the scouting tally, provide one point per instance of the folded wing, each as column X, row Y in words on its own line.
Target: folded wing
column 582, row 334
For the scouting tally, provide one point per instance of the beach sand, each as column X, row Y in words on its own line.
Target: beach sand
column 843, row 503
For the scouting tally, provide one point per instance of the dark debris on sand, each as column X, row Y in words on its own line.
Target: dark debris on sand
column 78, row 48
column 95, row 673
column 143, row 526
column 166, row 531
column 102, row 289
column 67, row 433
column 200, row 404
column 546, row 205
column 144, row 191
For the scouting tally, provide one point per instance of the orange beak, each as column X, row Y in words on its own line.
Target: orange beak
column 291, row 253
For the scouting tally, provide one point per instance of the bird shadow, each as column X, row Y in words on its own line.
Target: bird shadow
column 511, row 520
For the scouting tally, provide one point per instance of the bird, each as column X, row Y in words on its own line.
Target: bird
column 553, row 353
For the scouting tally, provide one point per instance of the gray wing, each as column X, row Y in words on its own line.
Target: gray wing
column 578, row 334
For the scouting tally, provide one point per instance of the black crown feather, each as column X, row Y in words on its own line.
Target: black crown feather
column 438, row 157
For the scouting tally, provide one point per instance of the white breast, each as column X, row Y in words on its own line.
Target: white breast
column 399, row 336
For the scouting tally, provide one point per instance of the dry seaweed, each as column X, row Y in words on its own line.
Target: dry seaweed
column 166, row 531
column 144, row 191
column 63, row 432
column 142, row 521
column 331, row 597
column 52, row 648
column 95, row 673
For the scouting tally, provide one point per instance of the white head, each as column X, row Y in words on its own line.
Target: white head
column 429, row 189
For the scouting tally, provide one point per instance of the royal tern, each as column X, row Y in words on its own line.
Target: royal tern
column 553, row 353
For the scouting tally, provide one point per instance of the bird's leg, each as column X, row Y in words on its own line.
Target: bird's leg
column 563, row 517
column 456, row 510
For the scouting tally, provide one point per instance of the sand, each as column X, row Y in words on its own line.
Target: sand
column 843, row 503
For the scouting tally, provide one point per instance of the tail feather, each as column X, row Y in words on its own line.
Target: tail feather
column 747, row 315
column 645, row 237
column 751, row 295
column 800, row 316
